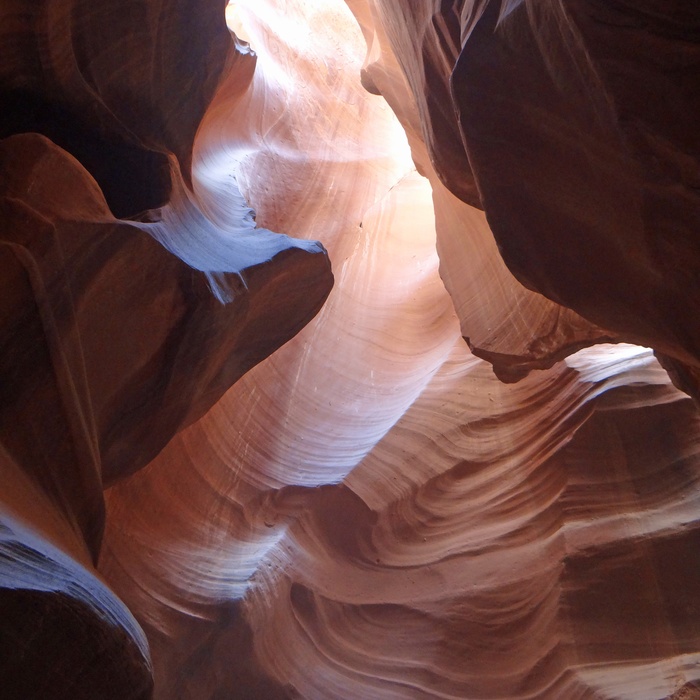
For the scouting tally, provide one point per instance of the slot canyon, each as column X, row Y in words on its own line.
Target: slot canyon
column 350, row 350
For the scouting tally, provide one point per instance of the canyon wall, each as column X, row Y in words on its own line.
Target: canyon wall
column 451, row 468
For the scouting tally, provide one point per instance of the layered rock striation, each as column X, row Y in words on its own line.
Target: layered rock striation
column 221, row 478
column 116, row 332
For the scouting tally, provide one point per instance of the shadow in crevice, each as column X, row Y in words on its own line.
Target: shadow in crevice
column 132, row 178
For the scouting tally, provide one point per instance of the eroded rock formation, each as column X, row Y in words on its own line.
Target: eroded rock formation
column 571, row 125
column 377, row 509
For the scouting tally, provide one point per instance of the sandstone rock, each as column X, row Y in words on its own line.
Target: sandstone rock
column 586, row 158
column 369, row 512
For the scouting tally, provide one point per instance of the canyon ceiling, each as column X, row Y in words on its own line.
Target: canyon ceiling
column 349, row 349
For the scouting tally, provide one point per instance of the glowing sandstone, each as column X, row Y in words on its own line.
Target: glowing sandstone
column 573, row 126
column 370, row 512
column 435, row 568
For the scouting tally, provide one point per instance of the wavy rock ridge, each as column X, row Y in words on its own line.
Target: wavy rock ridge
column 329, row 494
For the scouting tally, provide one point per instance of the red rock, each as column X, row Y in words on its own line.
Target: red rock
column 369, row 512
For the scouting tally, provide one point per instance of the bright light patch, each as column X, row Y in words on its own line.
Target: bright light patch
column 235, row 22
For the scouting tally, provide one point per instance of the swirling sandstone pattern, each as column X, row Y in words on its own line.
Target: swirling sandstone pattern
column 370, row 512
column 577, row 121
column 110, row 342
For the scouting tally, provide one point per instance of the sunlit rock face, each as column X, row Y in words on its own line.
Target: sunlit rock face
column 573, row 126
column 370, row 512
column 411, row 53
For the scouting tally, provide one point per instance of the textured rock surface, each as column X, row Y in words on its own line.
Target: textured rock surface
column 411, row 54
column 64, row 634
column 577, row 120
column 614, row 165
column 115, row 334
column 369, row 512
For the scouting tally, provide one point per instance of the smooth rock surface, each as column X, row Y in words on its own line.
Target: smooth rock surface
column 375, row 508
column 588, row 164
column 116, row 334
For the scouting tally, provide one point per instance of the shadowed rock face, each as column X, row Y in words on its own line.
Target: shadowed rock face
column 329, row 494
column 64, row 633
column 116, row 334
column 577, row 120
column 120, row 90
